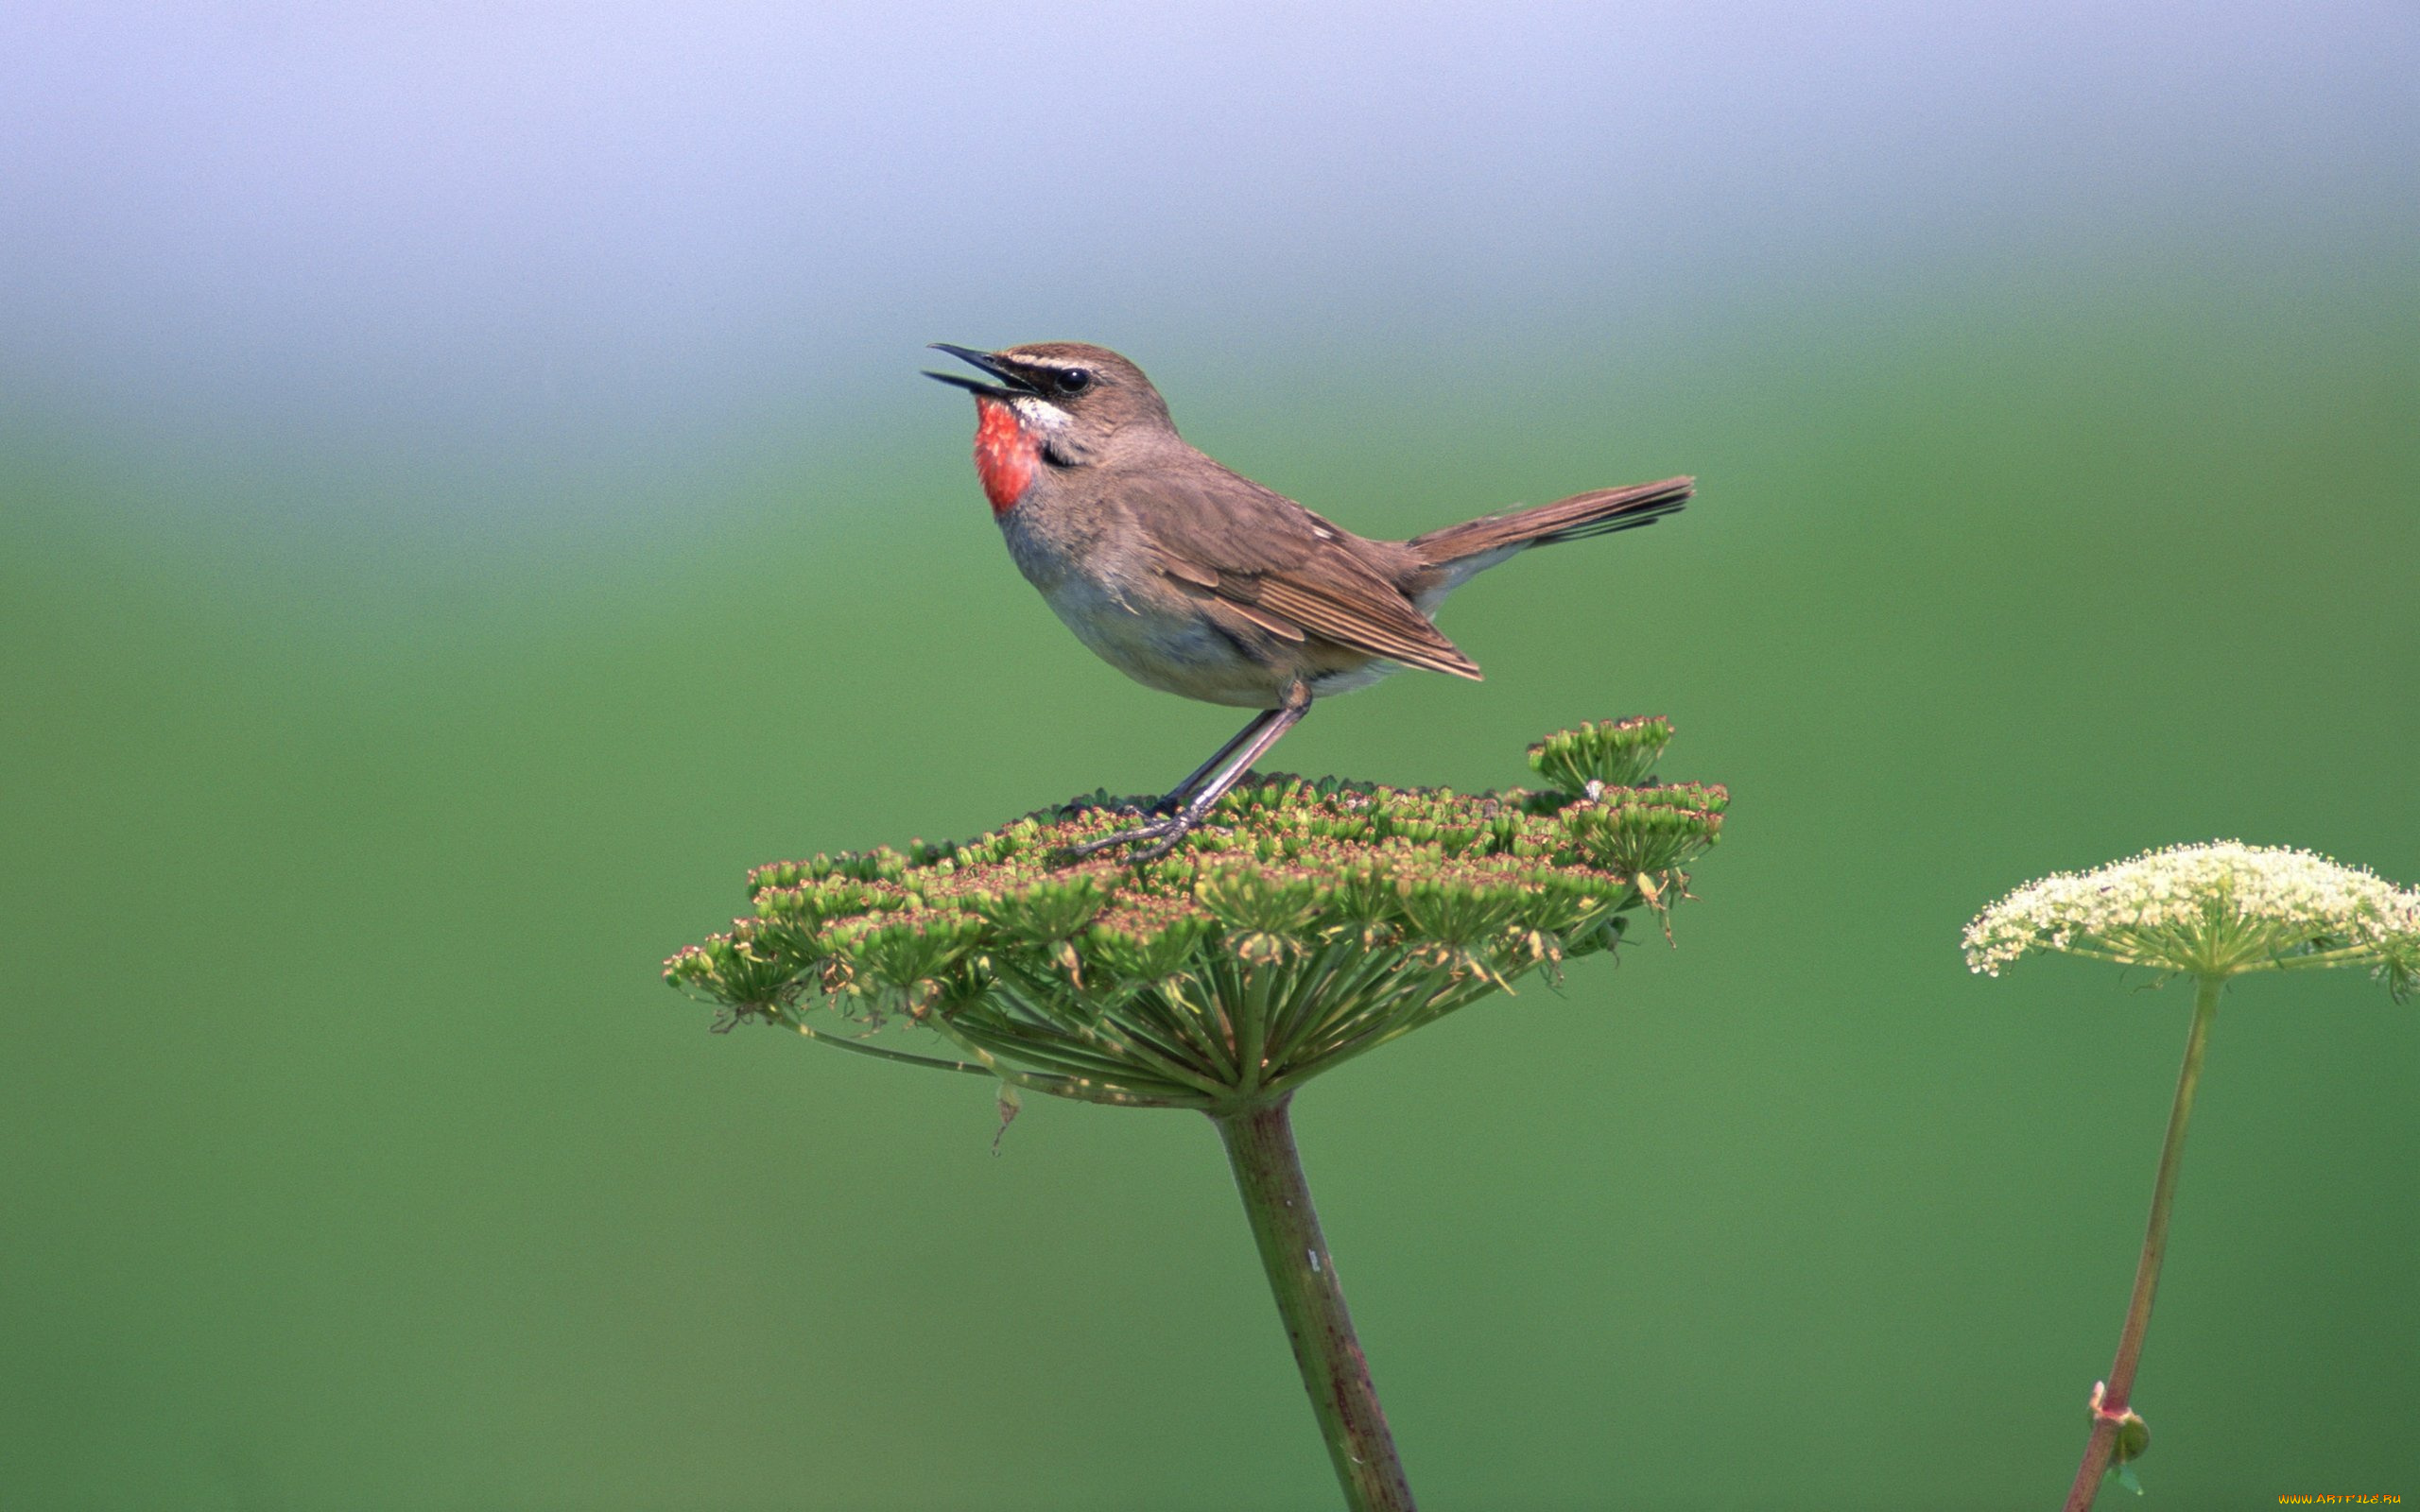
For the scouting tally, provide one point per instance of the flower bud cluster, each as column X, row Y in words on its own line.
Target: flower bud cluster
column 1606, row 754
column 1305, row 923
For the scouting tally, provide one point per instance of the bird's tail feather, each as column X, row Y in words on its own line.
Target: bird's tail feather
column 1597, row 512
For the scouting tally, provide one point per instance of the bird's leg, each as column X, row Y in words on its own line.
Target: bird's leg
column 1258, row 738
column 1176, row 795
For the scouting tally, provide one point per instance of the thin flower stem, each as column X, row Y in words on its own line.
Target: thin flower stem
column 1071, row 1084
column 1253, row 1031
column 886, row 1052
column 1268, row 1172
column 2342, row 956
column 2087, row 952
column 1111, row 1055
column 1396, row 1022
column 1347, row 988
column 1170, row 1028
column 2111, row 1406
column 1179, row 994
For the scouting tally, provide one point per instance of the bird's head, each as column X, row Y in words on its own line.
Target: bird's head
column 1063, row 403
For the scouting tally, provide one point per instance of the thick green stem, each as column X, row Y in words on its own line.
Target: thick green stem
column 1268, row 1172
column 2110, row 1405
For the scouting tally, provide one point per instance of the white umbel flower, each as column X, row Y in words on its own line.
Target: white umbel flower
column 2209, row 910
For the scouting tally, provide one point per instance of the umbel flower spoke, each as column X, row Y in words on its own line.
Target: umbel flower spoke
column 2210, row 912
column 1303, row 924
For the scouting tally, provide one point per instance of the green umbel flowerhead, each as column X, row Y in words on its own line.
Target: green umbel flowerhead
column 1305, row 924
column 2213, row 910
column 1601, row 753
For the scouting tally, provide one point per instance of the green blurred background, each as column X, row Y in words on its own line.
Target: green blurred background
column 356, row 770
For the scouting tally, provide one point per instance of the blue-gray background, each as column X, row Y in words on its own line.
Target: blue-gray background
column 465, row 494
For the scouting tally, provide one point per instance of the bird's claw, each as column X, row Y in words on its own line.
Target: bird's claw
column 1166, row 833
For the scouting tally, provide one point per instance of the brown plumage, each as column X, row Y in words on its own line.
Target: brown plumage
column 1597, row 512
column 1192, row 579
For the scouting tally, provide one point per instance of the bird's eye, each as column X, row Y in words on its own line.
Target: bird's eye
column 1074, row 380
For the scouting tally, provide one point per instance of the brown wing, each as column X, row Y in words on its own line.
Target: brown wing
column 1283, row 567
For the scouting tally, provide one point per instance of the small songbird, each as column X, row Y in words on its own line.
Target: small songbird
column 1194, row 580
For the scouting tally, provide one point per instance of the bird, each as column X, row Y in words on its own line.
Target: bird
column 1193, row 579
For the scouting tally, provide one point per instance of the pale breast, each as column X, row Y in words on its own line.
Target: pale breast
column 1144, row 628
column 1181, row 653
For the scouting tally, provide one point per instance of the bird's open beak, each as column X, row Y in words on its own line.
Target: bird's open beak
column 990, row 364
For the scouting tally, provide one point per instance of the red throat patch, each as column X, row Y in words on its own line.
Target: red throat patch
column 1004, row 454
